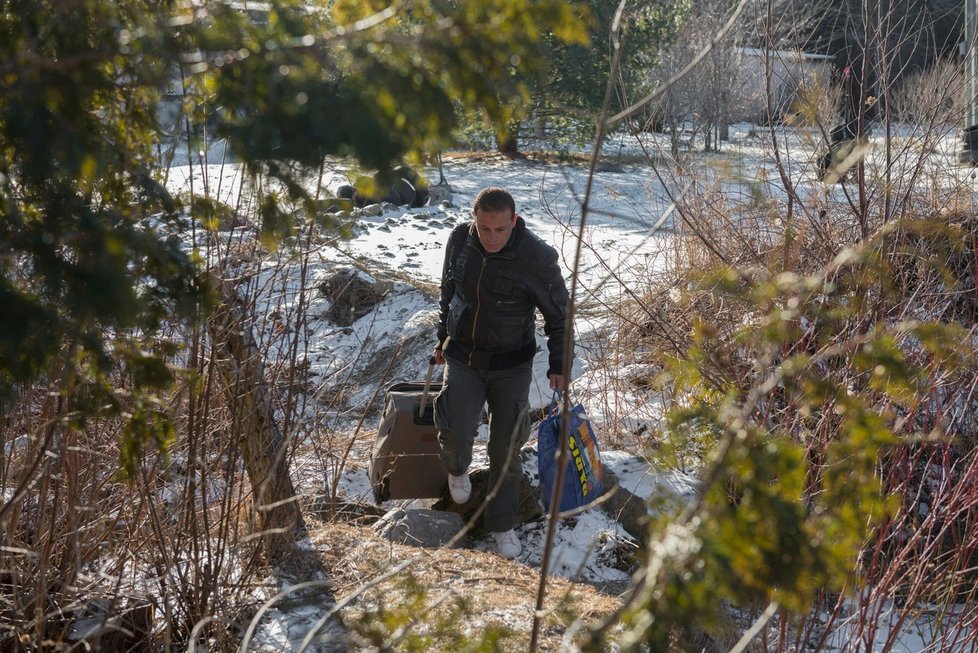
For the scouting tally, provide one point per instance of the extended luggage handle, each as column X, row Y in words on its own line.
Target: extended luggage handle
column 427, row 381
column 427, row 385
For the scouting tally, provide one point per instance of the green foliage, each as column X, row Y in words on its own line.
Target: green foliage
column 570, row 93
column 213, row 214
column 393, row 621
column 692, row 433
column 80, row 84
column 276, row 223
column 80, row 272
column 381, row 87
column 781, row 514
column 579, row 73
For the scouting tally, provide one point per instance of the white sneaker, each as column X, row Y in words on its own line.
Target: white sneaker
column 508, row 544
column 460, row 487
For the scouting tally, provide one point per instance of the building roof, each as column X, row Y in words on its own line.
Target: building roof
column 784, row 54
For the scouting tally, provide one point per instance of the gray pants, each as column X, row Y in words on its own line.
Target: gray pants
column 458, row 410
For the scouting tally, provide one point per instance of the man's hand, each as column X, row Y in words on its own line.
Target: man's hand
column 558, row 382
column 438, row 356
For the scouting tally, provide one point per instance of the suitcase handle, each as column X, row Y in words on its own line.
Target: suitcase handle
column 427, row 381
column 427, row 385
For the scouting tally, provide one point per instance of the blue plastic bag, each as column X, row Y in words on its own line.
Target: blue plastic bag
column 582, row 480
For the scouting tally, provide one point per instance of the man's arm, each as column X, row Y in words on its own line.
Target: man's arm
column 445, row 296
column 551, row 298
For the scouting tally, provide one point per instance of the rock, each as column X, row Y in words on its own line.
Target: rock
column 527, row 510
column 401, row 187
column 101, row 626
column 402, row 193
column 372, row 210
column 607, row 166
column 628, row 509
column 439, row 194
column 422, row 527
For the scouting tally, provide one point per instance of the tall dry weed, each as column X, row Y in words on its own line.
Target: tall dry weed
column 911, row 213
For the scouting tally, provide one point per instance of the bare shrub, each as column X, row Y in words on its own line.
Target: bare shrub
column 84, row 547
column 932, row 98
column 777, row 276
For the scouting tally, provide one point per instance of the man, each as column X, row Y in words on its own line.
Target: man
column 496, row 274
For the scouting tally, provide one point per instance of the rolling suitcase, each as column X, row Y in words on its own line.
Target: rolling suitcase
column 405, row 462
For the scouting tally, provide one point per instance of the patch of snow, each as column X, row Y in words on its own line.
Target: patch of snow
column 620, row 244
column 638, row 477
column 881, row 626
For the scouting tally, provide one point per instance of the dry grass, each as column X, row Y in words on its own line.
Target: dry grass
column 913, row 220
column 56, row 552
column 497, row 592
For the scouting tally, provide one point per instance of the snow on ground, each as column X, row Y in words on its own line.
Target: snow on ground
column 584, row 544
column 619, row 237
column 888, row 629
column 412, row 241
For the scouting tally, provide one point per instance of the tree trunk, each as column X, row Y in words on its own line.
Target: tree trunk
column 506, row 143
column 239, row 366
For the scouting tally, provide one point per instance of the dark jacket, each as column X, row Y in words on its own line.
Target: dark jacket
column 488, row 300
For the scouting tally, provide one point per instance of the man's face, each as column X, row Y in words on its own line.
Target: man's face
column 494, row 228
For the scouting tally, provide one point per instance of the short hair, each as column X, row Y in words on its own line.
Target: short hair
column 494, row 199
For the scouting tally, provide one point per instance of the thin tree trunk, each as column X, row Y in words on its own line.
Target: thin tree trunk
column 507, row 143
column 240, row 368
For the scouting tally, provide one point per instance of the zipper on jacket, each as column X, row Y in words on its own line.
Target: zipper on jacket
column 478, row 305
